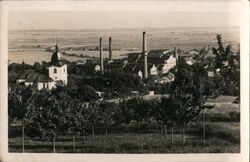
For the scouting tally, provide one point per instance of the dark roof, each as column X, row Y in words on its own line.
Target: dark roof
column 134, row 57
column 32, row 76
column 56, row 58
column 158, row 53
column 89, row 65
column 160, row 67
column 115, row 64
column 129, row 67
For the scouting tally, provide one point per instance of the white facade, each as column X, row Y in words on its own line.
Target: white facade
column 170, row 62
column 153, row 70
column 210, row 73
column 140, row 74
column 42, row 85
column 59, row 73
column 97, row 68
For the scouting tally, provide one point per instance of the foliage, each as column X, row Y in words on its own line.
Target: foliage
column 228, row 63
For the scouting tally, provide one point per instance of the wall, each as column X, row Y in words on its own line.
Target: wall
column 61, row 73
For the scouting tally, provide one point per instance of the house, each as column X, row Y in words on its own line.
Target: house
column 115, row 64
column 189, row 60
column 55, row 72
column 153, row 71
column 159, row 61
column 91, row 68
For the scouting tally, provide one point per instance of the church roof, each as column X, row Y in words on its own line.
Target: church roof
column 32, row 76
column 56, row 58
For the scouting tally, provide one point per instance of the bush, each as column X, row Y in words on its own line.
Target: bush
column 129, row 146
column 235, row 116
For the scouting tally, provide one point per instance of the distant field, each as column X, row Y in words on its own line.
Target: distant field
column 42, row 55
column 122, row 39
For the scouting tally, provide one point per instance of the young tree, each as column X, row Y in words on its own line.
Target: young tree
column 20, row 101
column 49, row 116
column 107, row 110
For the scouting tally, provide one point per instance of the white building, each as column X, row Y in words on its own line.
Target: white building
column 57, row 72
column 153, row 71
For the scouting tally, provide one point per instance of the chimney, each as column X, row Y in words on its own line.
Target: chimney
column 110, row 49
column 145, row 55
column 101, row 57
column 176, row 54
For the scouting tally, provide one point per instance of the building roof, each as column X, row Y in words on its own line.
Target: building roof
column 115, row 64
column 130, row 67
column 57, row 58
column 32, row 76
column 158, row 53
column 89, row 65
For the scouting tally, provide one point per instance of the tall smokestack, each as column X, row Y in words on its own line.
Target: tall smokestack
column 101, row 57
column 176, row 54
column 110, row 49
column 145, row 54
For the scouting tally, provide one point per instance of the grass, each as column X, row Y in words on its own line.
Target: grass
column 219, row 139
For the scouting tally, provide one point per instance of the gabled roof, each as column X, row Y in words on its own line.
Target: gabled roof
column 32, row 76
column 130, row 67
column 160, row 67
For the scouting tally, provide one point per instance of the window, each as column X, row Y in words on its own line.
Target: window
column 55, row 70
column 44, row 85
column 64, row 69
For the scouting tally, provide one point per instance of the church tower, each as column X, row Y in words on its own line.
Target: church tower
column 57, row 69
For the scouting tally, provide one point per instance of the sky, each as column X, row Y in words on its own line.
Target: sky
column 191, row 16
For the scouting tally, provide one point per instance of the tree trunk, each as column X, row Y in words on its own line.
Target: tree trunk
column 138, row 126
column 84, row 135
column 172, row 134
column 54, row 145
column 183, row 134
column 165, row 131
column 161, row 128
column 23, row 135
column 74, row 143
column 93, row 130
column 204, row 128
column 106, row 131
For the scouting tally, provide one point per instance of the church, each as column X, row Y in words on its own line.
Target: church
column 56, row 72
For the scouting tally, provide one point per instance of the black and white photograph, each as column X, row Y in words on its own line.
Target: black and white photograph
column 125, row 81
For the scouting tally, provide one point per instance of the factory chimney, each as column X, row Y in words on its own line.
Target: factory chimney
column 110, row 49
column 145, row 55
column 176, row 54
column 101, row 57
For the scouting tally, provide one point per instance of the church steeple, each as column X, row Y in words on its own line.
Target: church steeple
column 56, row 46
column 56, row 57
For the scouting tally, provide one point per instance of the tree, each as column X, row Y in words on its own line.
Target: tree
column 228, row 63
column 93, row 116
column 48, row 116
column 165, row 113
column 186, row 95
column 20, row 101
column 107, row 110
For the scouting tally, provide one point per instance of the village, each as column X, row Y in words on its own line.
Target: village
column 154, row 64
column 154, row 100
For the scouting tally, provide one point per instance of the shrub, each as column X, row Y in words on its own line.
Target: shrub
column 129, row 146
